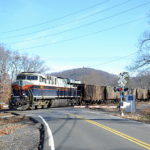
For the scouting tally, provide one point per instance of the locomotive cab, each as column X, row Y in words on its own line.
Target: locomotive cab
column 22, row 94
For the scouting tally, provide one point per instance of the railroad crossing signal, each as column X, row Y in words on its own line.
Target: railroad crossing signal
column 122, row 79
column 122, row 82
column 123, row 75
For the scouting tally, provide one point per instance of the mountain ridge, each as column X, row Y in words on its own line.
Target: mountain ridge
column 89, row 76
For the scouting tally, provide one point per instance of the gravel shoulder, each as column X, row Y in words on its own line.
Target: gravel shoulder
column 142, row 113
column 19, row 133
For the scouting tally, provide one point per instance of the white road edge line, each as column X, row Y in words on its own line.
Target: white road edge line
column 50, row 135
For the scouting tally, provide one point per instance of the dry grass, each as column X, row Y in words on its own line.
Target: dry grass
column 146, row 112
column 143, row 116
column 10, row 129
column 11, row 124
column 138, row 117
column 14, row 119
column 142, row 102
column 4, row 114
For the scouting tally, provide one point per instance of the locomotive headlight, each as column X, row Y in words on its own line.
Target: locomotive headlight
column 24, row 94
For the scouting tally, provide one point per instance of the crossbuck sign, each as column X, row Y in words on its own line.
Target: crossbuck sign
column 122, row 79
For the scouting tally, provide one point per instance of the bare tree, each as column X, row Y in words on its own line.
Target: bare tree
column 33, row 64
column 15, row 64
column 23, row 63
column 12, row 63
column 142, row 61
column 142, row 80
column 4, row 77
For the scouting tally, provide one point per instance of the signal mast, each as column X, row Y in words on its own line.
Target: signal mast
column 121, row 88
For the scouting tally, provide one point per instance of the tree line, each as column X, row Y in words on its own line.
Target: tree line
column 141, row 64
column 12, row 63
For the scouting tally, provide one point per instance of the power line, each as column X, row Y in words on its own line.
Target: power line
column 91, row 15
column 108, row 62
column 85, row 35
column 115, row 60
column 58, row 18
column 90, row 23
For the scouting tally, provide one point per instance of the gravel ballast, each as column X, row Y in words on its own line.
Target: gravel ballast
column 19, row 133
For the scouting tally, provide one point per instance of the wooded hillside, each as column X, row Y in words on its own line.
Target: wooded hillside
column 89, row 76
column 98, row 77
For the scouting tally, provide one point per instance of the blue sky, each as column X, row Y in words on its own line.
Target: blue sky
column 70, row 34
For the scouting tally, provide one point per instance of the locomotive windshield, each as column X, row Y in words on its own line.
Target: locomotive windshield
column 32, row 77
column 27, row 77
column 21, row 77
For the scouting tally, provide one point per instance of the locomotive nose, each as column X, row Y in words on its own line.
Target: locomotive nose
column 22, row 85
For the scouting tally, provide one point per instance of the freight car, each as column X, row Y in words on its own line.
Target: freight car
column 142, row 94
column 95, row 94
column 33, row 90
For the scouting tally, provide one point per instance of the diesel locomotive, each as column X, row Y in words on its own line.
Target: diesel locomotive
column 33, row 90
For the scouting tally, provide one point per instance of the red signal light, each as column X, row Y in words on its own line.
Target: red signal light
column 120, row 89
column 117, row 89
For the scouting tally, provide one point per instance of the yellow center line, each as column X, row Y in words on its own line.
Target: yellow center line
column 123, row 135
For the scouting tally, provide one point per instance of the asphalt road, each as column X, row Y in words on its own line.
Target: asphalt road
column 84, row 129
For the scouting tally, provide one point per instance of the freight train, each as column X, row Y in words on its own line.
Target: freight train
column 33, row 90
